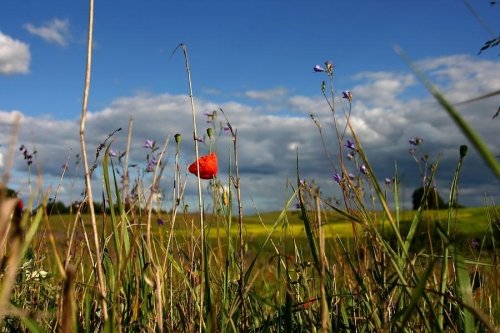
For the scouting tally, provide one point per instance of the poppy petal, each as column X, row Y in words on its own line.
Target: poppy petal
column 208, row 166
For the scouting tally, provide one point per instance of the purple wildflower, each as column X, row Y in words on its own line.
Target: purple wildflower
column 150, row 144
column 160, row 222
column 351, row 145
column 210, row 115
column 363, row 169
column 112, row 153
column 337, row 178
column 416, row 141
column 351, row 176
column 27, row 156
column 347, row 95
column 151, row 165
column 388, row 181
column 319, row 69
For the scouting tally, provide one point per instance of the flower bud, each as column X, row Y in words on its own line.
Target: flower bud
column 178, row 138
column 463, row 150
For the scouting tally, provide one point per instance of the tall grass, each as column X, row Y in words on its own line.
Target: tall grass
column 135, row 267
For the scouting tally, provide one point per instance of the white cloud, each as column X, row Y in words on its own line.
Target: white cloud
column 266, row 95
column 267, row 141
column 55, row 31
column 381, row 88
column 14, row 56
column 462, row 77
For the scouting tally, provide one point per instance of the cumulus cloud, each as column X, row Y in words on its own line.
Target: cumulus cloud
column 14, row 56
column 55, row 31
column 268, row 142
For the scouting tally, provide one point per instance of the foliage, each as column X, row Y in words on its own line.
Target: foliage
column 433, row 200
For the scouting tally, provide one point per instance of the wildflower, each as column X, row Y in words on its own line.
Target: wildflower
column 36, row 275
column 208, row 166
column 18, row 210
column 351, row 145
column 160, row 222
column 151, row 165
column 150, row 144
column 351, row 176
column 319, row 69
column 350, row 156
column 388, row 181
column 112, row 153
column 416, row 141
column 210, row 116
column 27, row 156
column 347, row 95
column 20, row 205
column 363, row 169
column 337, row 178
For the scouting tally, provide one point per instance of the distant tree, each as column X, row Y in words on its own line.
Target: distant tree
column 434, row 200
column 57, row 207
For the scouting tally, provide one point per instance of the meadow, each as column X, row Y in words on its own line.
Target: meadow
column 357, row 264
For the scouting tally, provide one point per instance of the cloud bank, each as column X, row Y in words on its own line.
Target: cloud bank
column 388, row 109
column 14, row 56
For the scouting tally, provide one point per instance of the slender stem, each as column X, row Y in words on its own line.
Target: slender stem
column 242, row 242
column 323, row 263
column 240, row 231
column 100, row 275
column 200, row 197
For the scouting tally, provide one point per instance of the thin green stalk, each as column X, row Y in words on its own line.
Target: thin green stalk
column 241, row 282
column 125, row 169
column 451, row 203
column 322, row 271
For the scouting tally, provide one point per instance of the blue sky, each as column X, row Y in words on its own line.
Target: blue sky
column 255, row 60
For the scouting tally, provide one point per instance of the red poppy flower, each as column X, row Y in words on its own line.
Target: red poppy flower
column 20, row 205
column 208, row 166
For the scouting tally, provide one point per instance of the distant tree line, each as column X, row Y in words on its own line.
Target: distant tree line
column 59, row 207
column 433, row 200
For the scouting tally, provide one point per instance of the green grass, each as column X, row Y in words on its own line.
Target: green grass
column 318, row 268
